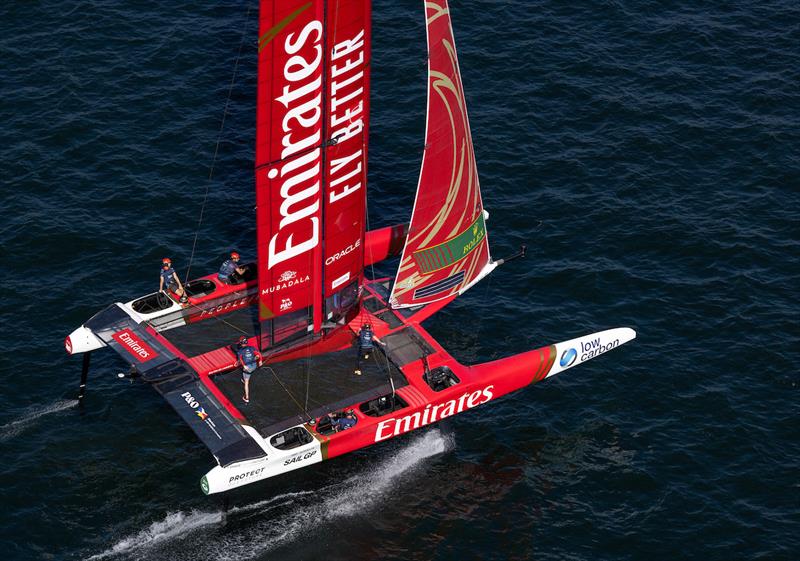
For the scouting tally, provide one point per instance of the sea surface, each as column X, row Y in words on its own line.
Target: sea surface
column 647, row 152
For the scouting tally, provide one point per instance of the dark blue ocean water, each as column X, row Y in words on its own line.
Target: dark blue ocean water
column 646, row 151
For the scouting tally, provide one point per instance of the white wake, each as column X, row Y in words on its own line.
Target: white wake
column 12, row 429
column 175, row 525
column 253, row 530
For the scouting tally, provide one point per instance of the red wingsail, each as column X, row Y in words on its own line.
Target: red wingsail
column 447, row 249
column 311, row 130
column 347, row 120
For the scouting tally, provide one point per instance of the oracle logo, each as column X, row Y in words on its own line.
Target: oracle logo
column 139, row 349
column 336, row 256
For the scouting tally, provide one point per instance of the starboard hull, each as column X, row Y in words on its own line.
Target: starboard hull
column 478, row 385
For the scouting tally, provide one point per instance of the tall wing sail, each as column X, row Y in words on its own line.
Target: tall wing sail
column 347, row 119
column 310, row 158
column 289, row 156
column 447, row 250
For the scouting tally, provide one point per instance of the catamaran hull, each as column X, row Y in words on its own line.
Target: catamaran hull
column 489, row 381
column 276, row 462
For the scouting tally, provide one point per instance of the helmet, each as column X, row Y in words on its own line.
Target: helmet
column 234, row 255
column 166, row 261
column 242, row 341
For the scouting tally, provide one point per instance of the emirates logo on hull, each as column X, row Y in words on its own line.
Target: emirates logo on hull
column 432, row 413
column 140, row 350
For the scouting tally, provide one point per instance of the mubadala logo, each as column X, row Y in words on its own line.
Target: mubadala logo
column 286, row 280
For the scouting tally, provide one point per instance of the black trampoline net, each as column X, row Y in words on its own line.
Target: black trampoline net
column 287, row 393
column 210, row 334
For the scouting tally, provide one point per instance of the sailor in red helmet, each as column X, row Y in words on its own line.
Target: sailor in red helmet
column 169, row 279
column 343, row 421
column 230, row 272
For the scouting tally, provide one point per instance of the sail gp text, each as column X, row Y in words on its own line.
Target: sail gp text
column 432, row 413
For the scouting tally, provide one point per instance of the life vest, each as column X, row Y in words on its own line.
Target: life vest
column 226, row 270
column 345, row 423
column 166, row 274
column 247, row 355
column 365, row 338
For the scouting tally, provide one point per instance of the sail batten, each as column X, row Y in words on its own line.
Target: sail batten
column 447, row 249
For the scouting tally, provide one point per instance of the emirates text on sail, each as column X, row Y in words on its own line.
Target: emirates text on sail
column 301, row 125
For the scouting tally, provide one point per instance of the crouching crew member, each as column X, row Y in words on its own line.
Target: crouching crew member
column 343, row 422
column 249, row 359
column 230, row 272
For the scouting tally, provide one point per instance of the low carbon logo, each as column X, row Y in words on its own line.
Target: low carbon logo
column 568, row 358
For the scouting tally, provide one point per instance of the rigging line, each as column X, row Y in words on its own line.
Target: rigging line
column 305, row 411
column 335, row 24
column 371, row 250
column 485, row 299
column 388, row 369
column 308, row 380
column 216, row 148
column 297, row 155
column 308, row 365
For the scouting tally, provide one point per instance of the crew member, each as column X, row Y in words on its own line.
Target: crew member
column 343, row 422
column 169, row 279
column 230, row 272
column 365, row 346
column 249, row 359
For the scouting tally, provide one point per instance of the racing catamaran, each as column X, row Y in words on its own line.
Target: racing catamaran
column 306, row 299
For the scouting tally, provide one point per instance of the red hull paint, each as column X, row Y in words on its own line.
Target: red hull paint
column 383, row 243
column 223, row 299
column 378, row 245
column 479, row 385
